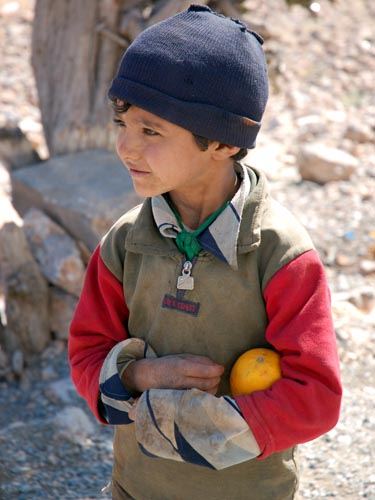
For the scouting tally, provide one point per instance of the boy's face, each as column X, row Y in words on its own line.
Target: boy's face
column 160, row 156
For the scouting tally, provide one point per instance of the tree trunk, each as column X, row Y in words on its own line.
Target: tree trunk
column 73, row 64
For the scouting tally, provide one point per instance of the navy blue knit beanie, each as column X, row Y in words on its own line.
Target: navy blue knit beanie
column 200, row 70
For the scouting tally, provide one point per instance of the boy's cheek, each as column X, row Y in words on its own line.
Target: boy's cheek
column 120, row 148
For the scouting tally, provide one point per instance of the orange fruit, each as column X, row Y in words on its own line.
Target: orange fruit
column 255, row 370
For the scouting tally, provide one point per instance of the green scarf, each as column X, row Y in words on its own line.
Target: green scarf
column 187, row 241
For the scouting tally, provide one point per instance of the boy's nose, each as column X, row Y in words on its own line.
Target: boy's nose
column 129, row 147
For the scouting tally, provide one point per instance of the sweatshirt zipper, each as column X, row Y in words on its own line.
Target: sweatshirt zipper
column 186, row 281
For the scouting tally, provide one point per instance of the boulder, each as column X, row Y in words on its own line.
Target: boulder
column 268, row 156
column 84, row 192
column 62, row 390
column 55, row 251
column 5, row 181
column 4, row 363
column 321, row 164
column 367, row 266
column 310, row 127
column 363, row 298
column 62, row 307
column 18, row 362
column 72, row 423
column 359, row 132
column 15, row 148
column 23, row 290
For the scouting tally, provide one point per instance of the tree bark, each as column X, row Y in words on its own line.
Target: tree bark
column 74, row 60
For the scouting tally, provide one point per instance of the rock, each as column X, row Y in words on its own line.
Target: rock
column 73, row 424
column 311, row 126
column 85, row 252
column 15, row 147
column 321, row 164
column 367, row 266
column 267, row 157
column 24, row 290
column 5, row 182
column 343, row 260
column 3, row 358
column 17, row 362
column 360, row 335
column 84, row 192
column 48, row 373
column 55, row 251
column 51, row 396
column 9, row 8
column 25, row 380
column 4, row 363
column 55, row 348
column 364, row 299
column 20, row 456
column 359, row 132
column 345, row 439
column 62, row 390
column 371, row 248
column 3, row 314
column 62, row 306
column 52, row 460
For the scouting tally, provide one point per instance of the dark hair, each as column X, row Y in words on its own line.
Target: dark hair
column 120, row 106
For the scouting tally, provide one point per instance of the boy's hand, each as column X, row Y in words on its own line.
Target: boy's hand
column 177, row 371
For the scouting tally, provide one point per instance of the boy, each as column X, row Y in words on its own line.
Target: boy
column 207, row 268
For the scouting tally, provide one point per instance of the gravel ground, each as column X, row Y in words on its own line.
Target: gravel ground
column 37, row 456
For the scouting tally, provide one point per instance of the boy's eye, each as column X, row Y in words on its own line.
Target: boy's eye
column 118, row 122
column 149, row 131
column 146, row 131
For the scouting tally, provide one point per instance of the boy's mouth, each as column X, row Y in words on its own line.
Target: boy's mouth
column 135, row 172
column 138, row 173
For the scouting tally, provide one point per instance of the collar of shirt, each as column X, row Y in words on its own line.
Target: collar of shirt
column 220, row 238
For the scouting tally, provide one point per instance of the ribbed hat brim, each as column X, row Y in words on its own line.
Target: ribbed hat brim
column 197, row 117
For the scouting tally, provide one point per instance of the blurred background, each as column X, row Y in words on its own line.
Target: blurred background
column 61, row 188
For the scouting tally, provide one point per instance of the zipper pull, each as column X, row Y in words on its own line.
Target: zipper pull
column 186, row 281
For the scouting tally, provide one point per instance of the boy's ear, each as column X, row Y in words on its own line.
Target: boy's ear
column 220, row 151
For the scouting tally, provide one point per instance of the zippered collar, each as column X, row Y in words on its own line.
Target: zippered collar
column 236, row 230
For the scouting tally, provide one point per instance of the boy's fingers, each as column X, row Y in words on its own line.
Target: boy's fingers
column 213, row 391
column 181, row 372
column 198, row 368
column 203, row 360
column 197, row 358
column 204, row 384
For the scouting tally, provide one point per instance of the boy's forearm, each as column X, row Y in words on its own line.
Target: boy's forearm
column 134, row 376
column 181, row 371
column 184, row 425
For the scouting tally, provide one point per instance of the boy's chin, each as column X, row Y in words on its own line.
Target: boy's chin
column 144, row 192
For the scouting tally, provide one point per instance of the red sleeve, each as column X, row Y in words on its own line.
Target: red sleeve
column 305, row 402
column 99, row 322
